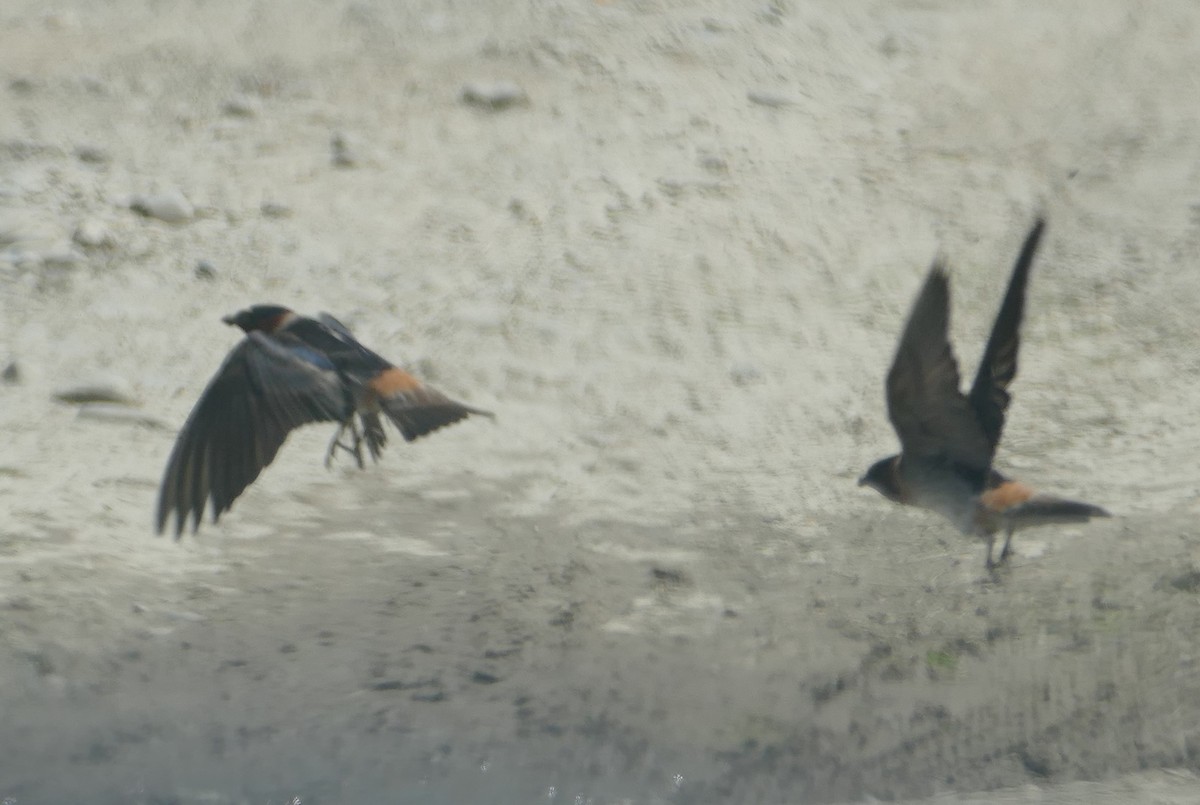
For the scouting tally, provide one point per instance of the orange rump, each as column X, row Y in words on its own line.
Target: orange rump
column 394, row 381
column 1006, row 495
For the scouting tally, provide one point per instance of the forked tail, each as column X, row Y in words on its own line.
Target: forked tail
column 424, row 410
column 1049, row 510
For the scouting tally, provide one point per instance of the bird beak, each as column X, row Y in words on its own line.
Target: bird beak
column 228, row 319
column 862, row 481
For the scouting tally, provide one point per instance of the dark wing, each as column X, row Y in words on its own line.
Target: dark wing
column 931, row 416
column 266, row 387
column 415, row 408
column 335, row 325
column 989, row 395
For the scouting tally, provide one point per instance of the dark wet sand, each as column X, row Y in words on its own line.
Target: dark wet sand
column 714, row 661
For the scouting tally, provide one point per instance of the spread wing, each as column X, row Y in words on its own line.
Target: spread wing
column 266, row 387
column 989, row 395
column 931, row 416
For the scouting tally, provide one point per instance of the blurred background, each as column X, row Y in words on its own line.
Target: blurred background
column 671, row 245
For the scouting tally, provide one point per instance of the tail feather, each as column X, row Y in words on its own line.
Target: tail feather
column 418, row 417
column 1048, row 510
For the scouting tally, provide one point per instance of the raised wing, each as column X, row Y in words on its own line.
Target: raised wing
column 266, row 387
column 931, row 416
column 989, row 395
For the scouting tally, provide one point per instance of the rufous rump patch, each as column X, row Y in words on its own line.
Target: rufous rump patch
column 277, row 323
column 393, row 381
column 1005, row 496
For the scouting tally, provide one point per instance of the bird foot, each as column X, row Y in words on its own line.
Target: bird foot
column 354, row 449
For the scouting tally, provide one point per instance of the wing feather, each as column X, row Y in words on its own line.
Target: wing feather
column 989, row 395
column 267, row 387
column 930, row 414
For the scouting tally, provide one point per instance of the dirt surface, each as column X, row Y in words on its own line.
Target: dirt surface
column 672, row 246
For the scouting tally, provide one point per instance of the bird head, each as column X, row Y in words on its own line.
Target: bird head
column 882, row 478
column 264, row 318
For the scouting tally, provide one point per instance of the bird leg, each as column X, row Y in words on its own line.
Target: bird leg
column 1007, row 550
column 355, row 449
column 991, row 541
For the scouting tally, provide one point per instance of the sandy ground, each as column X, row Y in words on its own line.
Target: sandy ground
column 676, row 269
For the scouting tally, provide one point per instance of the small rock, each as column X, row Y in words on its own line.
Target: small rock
column 275, row 209
column 242, row 106
column 345, row 151
column 94, row 84
column 92, row 234
column 88, row 152
column 772, row 99
column 11, row 373
column 205, row 270
column 170, row 206
column 714, row 164
column 101, row 390
column 668, row 575
column 743, row 373
column 493, row 97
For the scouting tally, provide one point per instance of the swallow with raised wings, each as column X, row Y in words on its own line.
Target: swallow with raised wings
column 948, row 440
column 288, row 371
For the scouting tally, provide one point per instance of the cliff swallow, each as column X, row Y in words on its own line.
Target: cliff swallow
column 288, row 371
column 948, row 440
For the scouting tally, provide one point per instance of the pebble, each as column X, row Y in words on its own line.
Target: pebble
column 89, row 152
column 170, row 206
column 275, row 209
column 11, row 373
column 714, row 164
column 242, row 106
column 494, row 96
column 345, row 150
column 94, row 84
column 205, row 270
column 98, row 390
column 772, row 99
column 92, row 234
column 119, row 414
column 743, row 373
column 23, row 85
